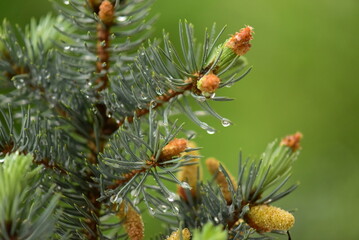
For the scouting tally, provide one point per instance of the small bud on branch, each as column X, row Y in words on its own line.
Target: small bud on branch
column 267, row 218
column 177, row 235
column 132, row 221
column 107, row 12
column 239, row 42
column 189, row 173
column 173, row 148
column 213, row 168
column 208, row 84
column 292, row 141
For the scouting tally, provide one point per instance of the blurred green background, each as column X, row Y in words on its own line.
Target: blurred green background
column 305, row 77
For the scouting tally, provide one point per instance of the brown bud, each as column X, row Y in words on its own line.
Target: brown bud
column 107, row 12
column 176, row 235
column 132, row 221
column 292, row 141
column 265, row 218
column 173, row 148
column 239, row 42
column 208, row 84
column 213, row 168
column 189, row 173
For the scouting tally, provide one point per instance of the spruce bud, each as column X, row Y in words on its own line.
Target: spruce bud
column 239, row 42
column 213, row 168
column 292, row 141
column 190, row 173
column 107, row 12
column 265, row 218
column 176, row 235
column 132, row 221
column 237, row 45
column 173, row 148
column 208, row 84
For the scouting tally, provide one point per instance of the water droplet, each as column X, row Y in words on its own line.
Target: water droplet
column 121, row 18
column 19, row 83
column 211, row 131
column 171, row 197
column 108, row 113
column 163, row 208
column 151, row 211
column 19, row 54
column 159, row 91
column 143, row 96
column 135, row 192
column 175, row 210
column 215, row 219
column 186, row 185
column 153, row 104
column 116, row 199
column 2, row 160
column 66, row 2
column 136, row 201
column 226, row 122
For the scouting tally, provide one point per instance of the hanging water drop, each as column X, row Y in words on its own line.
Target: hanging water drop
column 67, row 48
column 66, row 2
column 116, row 199
column 211, row 131
column 171, row 197
column 19, row 54
column 121, row 18
column 143, row 96
column 19, row 83
column 226, row 122
column 135, row 192
column 186, row 185
column 151, row 211
column 136, row 201
column 153, row 104
column 159, row 91
column 163, row 208
column 175, row 210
